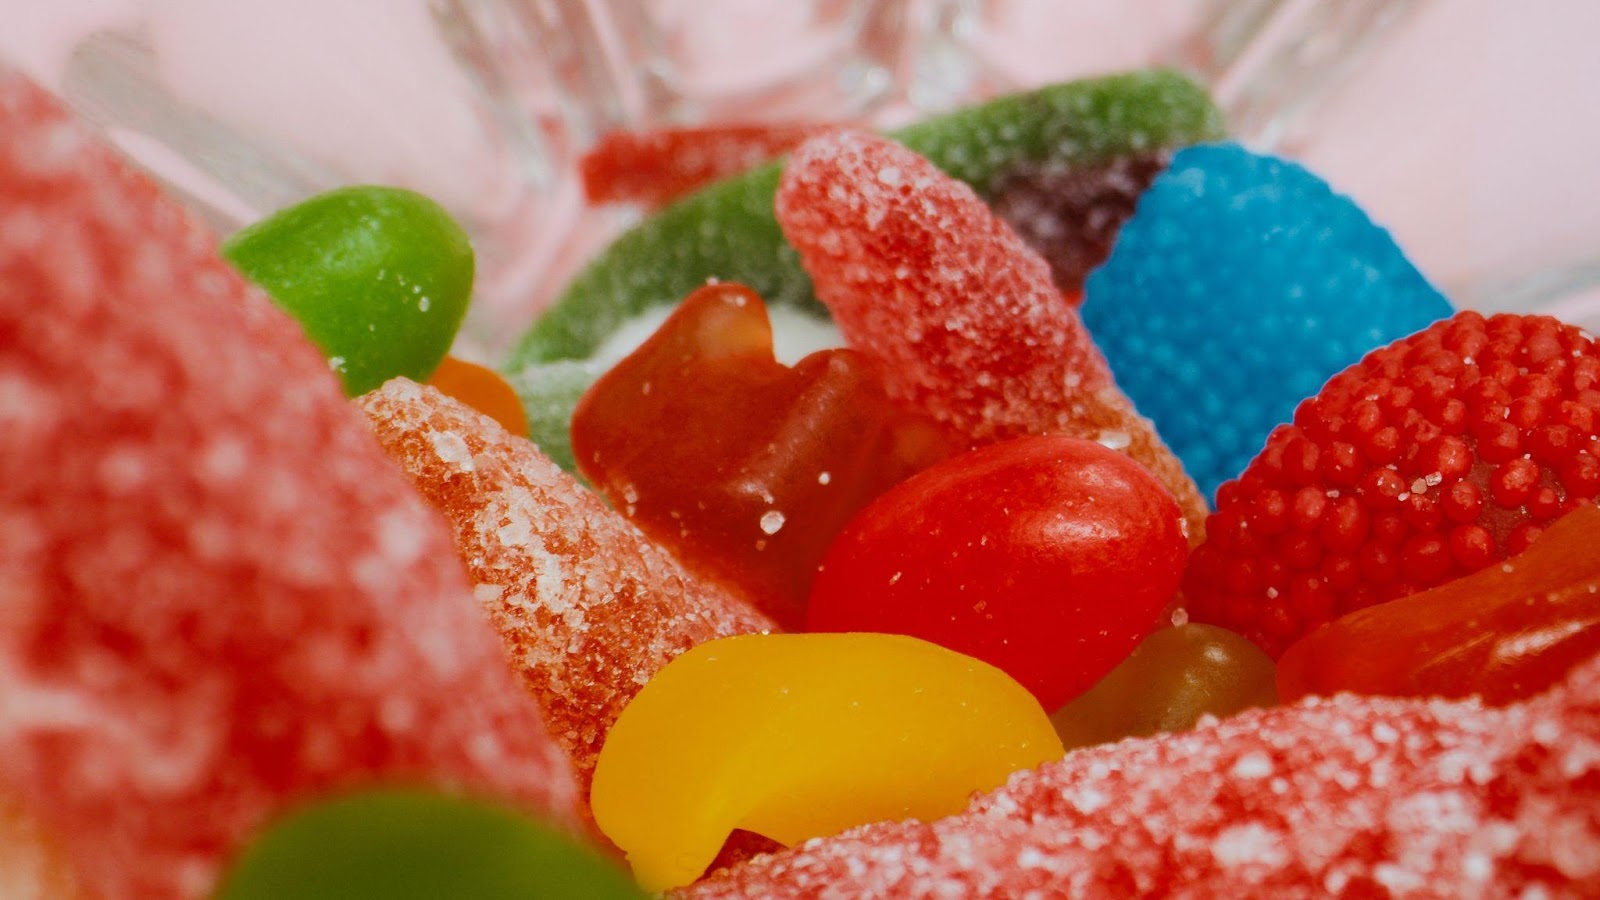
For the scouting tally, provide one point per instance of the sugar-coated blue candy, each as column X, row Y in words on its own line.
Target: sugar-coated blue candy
column 1240, row 285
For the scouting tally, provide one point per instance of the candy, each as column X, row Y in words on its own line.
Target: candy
column 1240, row 286
column 657, row 167
column 1049, row 557
column 1354, row 797
column 483, row 389
column 379, row 277
column 1506, row 633
column 744, row 467
column 31, row 867
column 960, row 314
column 549, row 393
column 587, row 607
column 413, row 845
column 1430, row 459
column 1167, row 683
column 727, row 230
column 219, row 595
column 794, row 736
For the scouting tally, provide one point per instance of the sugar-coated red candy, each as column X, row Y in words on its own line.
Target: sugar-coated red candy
column 653, row 168
column 1049, row 557
column 1349, row 797
column 963, row 316
column 219, row 597
column 587, row 607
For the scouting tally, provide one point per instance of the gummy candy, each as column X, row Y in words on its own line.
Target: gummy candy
column 1349, row 797
column 549, row 393
column 415, row 845
column 31, row 867
column 483, row 389
column 727, row 231
column 960, row 314
column 1049, row 557
column 1433, row 457
column 1506, row 632
column 656, row 167
column 745, row 467
column 219, row 595
column 1167, row 683
column 795, row 736
column 379, row 278
column 1239, row 287
column 586, row 606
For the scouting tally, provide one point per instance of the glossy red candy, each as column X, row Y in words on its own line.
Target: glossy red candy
column 1049, row 557
column 1507, row 632
column 746, row 467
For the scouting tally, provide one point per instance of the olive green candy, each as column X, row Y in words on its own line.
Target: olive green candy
column 728, row 230
column 415, row 845
column 1173, row 677
column 378, row 277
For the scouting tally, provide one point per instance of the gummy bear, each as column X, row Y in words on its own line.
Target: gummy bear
column 218, row 595
column 1506, row 632
column 746, row 467
column 961, row 315
column 795, row 736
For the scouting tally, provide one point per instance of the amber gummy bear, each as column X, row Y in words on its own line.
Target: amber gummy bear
column 745, row 467
column 1506, row 632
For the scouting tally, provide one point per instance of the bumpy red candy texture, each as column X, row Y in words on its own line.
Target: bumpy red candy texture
column 745, row 467
column 962, row 316
column 586, row 606
column 1351, row 797
column 1049, row 557
column 219, row 596
column 1430, row 459
column 1505, row 632
column 654, row 168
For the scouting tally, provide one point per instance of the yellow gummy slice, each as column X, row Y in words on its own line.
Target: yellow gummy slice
column 795, row 736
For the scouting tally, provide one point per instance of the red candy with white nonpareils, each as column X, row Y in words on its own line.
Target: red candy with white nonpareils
column 1429, row 459
column 963, row 316
column 219, row 598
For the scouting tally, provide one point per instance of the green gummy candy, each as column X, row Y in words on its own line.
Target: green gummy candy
column 414, row 845
column 378, row 277
column 728, row 230
column 549, row 392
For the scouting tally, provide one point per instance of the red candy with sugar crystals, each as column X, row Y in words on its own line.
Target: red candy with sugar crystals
column 587, row 607
column 654, row 168
column 1357, row 797
column 219, row 597
column 963, row 316
column 746, row 467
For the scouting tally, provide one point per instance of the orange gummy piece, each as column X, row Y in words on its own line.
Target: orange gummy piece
column 746, row 467
column 483, row 389
column 1506, row 632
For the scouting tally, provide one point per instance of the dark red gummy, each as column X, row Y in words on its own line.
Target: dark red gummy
column 1431, row 458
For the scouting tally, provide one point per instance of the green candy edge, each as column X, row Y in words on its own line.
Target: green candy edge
column 665, row 257
column 336, row 261
column 398, row 844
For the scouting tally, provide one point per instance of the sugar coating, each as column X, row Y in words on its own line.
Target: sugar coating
column 963, row 316
column 219, row 596
column 654, row 168
column 1240, row 285
column 587, row 607
column 1358, row 797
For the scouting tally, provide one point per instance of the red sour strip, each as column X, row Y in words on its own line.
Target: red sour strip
column 654, row 168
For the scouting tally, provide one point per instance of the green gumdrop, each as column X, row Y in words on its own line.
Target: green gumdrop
column 729, row 231
column 378, row 277
column 415, row 845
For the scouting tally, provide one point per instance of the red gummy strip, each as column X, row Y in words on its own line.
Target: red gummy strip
column 1355, row 797
column 587, row 607
column 654, row 168
column 961, row 313
column 219, row 596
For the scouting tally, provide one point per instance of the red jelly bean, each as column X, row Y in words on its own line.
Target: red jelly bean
column 1506, row 632
column 746, row 467
column 1049, row 557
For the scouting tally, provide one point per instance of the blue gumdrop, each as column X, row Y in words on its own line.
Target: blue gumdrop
column 1241, row 284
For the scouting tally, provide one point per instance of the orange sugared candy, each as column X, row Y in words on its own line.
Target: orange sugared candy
column 1506, row 632
column 483, row 389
